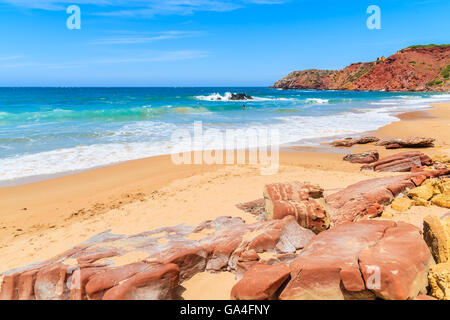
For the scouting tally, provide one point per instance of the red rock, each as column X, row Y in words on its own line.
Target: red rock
column 395, row 73
column 402, row 258
column 329, row 267
column 348, row 142
column 366, row 199
column 292, row 191
column 255, row 207
column 260, row 282
column 393, row 146
column 364, row 157
column 412, row 142
column 152, row 265
column 302, row 201
column 401, row 162
column 157, row 282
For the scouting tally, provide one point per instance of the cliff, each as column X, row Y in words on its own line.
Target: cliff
column 416, row 68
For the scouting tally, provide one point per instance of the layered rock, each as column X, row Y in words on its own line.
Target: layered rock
column 303, row 201
column 152, row 265
column 361, row 260
column 366, row 199
column 400, row 162
column 363, row 200
column 417, row 68
column 363, row 157
column 348, row 142
column 412, row 142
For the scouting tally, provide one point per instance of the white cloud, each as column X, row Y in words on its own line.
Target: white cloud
column 157, row 56
column 10, row 58
column 143, row 57
column 146, row 8
column 133, row 38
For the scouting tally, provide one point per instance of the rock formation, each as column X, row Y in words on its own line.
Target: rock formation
column 361, row 260
column 363, row 200
column 303, row 201
column 417, row 68
column 348, row 142
column 347, row 256
column 152, row 265
column 366, row 199
column 437, row 236
column 363, row 157
column 261, row 282
column 401, row 162
column 240, row 96
column 412, row 142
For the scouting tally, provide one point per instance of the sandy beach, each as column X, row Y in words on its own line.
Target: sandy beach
column 42, row 219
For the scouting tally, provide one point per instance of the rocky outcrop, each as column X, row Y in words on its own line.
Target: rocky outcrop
column 402, row 204
column 433, row 191
column 303, row 201
column 366, row 199
column 240, row 96
column 439, row 278
column 361, row 260
column 417, row 68
column 401, row 162
column 363, row 200
column 412, row 142
column 261, row 282
column 152, row 265
column 363, row 157
column 348, row 142
column 436, row 232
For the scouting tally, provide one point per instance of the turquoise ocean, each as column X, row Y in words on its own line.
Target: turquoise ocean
column 47, row 131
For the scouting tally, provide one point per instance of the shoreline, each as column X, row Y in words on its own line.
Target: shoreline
column 42, row 219
column 318, row 145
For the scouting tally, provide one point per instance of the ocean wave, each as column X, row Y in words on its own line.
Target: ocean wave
column 156, row 141
column 124, row 114
column 317, row 101
column 227, row 97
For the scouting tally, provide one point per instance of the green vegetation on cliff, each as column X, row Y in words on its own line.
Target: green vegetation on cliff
column 427, row 46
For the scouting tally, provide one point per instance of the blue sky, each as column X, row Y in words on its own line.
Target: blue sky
column 202, row 42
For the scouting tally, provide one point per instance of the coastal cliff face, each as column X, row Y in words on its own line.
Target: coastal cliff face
column 417, row 68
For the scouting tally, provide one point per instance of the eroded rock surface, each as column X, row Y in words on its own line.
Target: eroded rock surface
column 401, row 162
column 366, row 199
column 436, row 232
column 305, row 202
column 363, row 157
column 152, row 265
column 348, row 142
column 261, row 282
column 361, row 260
column 412, row 142
column 439, row 278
